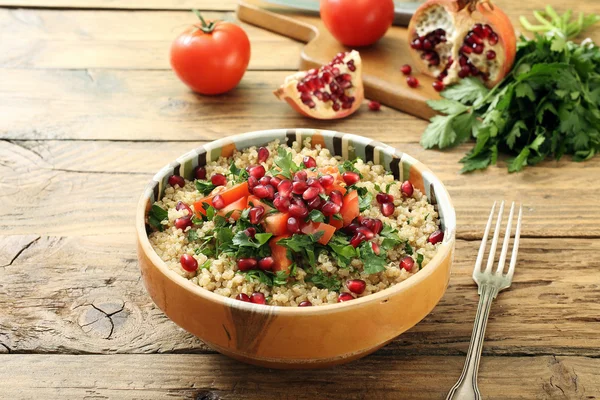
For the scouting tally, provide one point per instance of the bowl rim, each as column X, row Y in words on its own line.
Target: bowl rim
column 185, row 284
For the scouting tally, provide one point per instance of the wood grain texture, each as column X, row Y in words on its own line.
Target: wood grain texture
column 84, row 295
column 213, row 377
column 105, row 179
column 117, row 39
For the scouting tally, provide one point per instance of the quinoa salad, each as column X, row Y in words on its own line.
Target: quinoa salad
column 293, row 226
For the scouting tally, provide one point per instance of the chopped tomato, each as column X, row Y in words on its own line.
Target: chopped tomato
column 315, row 227
column 235, row 208
column 229, row 196
column 279, row 254
column 336, row 223
column 336, row 186
column 256, row 201
column 276, row 224
column 350, row 208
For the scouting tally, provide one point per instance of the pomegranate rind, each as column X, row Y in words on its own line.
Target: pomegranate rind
column 323, row 110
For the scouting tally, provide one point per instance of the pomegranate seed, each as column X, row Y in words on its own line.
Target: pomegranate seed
column 357, row 239
column 299, row 187
column 243, row 297
column 285, row 188
column 336, row 197
column 407, row 263
column 345, row 297
column 256, row 214
column 368, row 223
column 375, row 248
column 335, row 106
column 493, row 39
column 271, row 192
column 436, row 237
column 438, row 86
column 293, row 226
column 250, row 232
column 478, row 48
column 188, row 263
column 326, row 180
column 182, row 206
column 490, row 55
column 263, row 154
column 310, row 193
column 466, row 69
column 412, row 81
column 300, row 176
column 200, row 173
column 275, row 181
column 450, row 61
column 427, row 45
column 257, row 171
column 176, row 180
column 350, row 177
column 374, row 105
column 281, row 203
column 478, row 30
column 305, row 303
column 265, row 180
column 260, row 191
column 463, row 60
column 245, row 264
column 183, row 222
column 266, row 264
column 407, row 188
column 357, row 286
column 311, row 181
column 417, row 45
column 377, row 227
column 474, row 70
column 463, row 74
column 366, row 232
column 384, row 198
column 329, row 208
column 475, row 38
column 258, row 298
column 352, row 227
column 218, row 180
column 434, row 61
column 487, row 31
column 252, row 182
column 309, row 162
column 466, row 49
column 351, row 65
column 298, row 211
column 218, row 202
column 315, row 203
column 387, row 209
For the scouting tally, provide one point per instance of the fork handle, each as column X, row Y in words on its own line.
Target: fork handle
column 466, row 387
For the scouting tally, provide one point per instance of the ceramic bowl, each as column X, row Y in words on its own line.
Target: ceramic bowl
column 299, row 337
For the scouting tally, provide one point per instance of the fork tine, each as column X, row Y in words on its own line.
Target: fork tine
column 488, row 268
column 502, row 260
column 484, row 240
column 513, row 259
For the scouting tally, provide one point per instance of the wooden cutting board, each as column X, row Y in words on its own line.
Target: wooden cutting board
column 381, row 62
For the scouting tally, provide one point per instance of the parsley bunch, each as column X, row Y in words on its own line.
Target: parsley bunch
column 547, row 106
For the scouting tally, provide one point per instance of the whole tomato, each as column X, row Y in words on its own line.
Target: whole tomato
column 211, row 57
column 357, row 22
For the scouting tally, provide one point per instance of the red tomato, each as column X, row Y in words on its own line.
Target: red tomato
column 350, row 207
column 314, row 227
column 276, row 224
column 279, row 254
column 357, row 22
column 229, row 196
column 211, row 58
column 234, row 208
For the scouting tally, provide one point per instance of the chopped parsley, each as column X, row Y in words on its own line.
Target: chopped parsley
column 192, row 235
column 342, row 251
column 420, row 260
column 364, row 202
column 206, row 264
column 316, row 216
column 238, row 175
column 242, row 240
column 322, row 281
column 156, row 216
column 284, row 161
column 372, row 263
column 267, row 277
column 204, row 187
column 348, row 166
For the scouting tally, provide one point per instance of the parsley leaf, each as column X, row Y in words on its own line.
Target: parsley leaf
column 284, row 161
column 204, row 187
column 237, row 174
column 242, row 240
column 316, row 216
column 420, row 260
column 364, row 202
column 372, row 263
column 192, row 235
column 323, row 281
column 156, row 216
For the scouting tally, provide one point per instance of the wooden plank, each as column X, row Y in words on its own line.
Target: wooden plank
column 105, row 179
column 118, row 39
column 214, row 377
column 84, row 295
column 220, row 5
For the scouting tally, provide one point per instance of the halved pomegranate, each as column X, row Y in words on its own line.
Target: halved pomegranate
column 454, row 39
column 333, row 91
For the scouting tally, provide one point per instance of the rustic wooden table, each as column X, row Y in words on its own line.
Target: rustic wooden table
column 89, row 110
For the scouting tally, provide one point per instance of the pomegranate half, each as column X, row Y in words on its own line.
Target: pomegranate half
column 454, row 39
column 333, row 91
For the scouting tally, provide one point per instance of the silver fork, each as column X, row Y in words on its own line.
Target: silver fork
column 490, row 283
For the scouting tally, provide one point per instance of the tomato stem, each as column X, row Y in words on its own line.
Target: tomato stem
column 206, row 27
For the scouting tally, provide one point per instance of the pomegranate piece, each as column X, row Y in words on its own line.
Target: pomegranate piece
column 407, row 188
column 300, row 176
column 336, row 197
column 406, row 69
column 326, row 180
column 298, row 211
column 250, row 232
column 330, row 208
column 412, row 81
column 375, row 248
column 275, row 181
column 256, row 214
column 245, row 264
column 366, row 232
column 285, row 188
column 263, row 154
column 315, row 203
column 218, row 202
column 176, row 180
column 281, row 203
column 311, row 193
column 309, row 162
column 260, row 191
column 258, row 298
column 183, row 222
column 387, row 209
column 293, row 226
column 188, row 263
column 257, row 171
column 438, row 86
column 384, row 198
column 333, row 91
column 299, row 187
column 357, row 239
column 345, row 297
column 374, row 105
column 200, row 173
column 407, row 263
column 305, row 303
column 182, row 206
column 218, row 180
column 266, row 264
column 357, row 286
column 243, row 297
column 350, row 177
column 440, row 29
column 436, row 237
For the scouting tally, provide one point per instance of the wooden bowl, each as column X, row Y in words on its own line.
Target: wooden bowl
column 299, row 337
